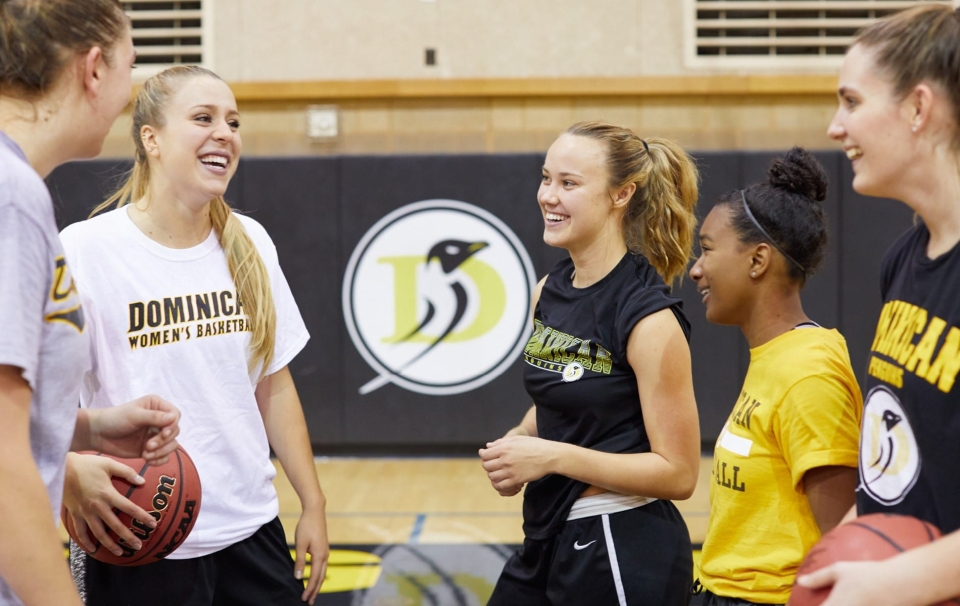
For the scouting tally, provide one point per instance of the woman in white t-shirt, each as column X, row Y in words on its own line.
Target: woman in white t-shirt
column 188, row 298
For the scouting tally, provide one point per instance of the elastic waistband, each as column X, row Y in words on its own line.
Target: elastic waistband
column 605, row 503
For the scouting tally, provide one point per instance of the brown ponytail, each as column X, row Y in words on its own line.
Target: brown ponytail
column 38, row 38
column 659, row 221
column 247, row 269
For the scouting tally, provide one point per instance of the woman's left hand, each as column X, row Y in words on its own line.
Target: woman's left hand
column 311, row 537
column 512, row 461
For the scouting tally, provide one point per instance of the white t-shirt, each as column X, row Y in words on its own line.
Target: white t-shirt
column 166, row 321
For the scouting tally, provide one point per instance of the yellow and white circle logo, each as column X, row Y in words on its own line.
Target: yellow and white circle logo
column 572, row 371
column 437, row 297
column 889, row 456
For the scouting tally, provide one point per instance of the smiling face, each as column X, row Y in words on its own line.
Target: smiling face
column 575, row 197
column 722, row 271
column 196, row 151
column 873, row 125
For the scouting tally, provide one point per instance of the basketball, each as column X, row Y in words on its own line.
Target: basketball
column 872, row 537
column 171, row 494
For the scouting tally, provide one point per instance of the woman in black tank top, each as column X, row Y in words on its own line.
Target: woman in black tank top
column 613, row 433
column 898, row 120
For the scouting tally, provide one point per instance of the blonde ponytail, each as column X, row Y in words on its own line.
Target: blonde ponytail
column 246, row 266
column 659, row 221
column 250, row 276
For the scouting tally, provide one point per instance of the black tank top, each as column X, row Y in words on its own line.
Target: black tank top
column 910, row 438
column 578, row 376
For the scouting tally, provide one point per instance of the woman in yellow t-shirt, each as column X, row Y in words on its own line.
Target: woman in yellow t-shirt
column 785, row 464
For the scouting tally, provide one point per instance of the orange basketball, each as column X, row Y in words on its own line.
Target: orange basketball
column 171, row 494
column 872, row 537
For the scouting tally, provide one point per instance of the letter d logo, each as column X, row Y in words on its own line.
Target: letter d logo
column 437, row 298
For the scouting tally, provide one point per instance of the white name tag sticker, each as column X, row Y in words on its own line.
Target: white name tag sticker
column 736, row 444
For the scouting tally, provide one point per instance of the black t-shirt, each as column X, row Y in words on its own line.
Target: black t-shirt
column 910, row 439
column 578, row 376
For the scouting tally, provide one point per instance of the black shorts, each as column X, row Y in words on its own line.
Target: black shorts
column 254, row 572
column 710, row 599
column 640, row 557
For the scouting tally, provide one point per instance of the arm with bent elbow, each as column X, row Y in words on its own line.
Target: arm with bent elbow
column 658, row 352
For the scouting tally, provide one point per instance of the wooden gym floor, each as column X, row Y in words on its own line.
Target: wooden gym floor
column 409, row 531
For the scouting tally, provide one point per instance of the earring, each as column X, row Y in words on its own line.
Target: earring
column 913, row 128
column 753, row 274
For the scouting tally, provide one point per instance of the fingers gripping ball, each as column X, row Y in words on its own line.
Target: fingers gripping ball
column 171, row 494
column 868, row 538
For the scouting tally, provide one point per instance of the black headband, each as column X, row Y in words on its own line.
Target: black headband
column 746, row 207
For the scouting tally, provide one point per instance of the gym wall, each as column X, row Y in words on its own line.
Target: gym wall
column 508, row 76
column 317, row 210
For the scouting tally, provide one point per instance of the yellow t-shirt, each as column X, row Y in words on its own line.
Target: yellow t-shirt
column 799, row 409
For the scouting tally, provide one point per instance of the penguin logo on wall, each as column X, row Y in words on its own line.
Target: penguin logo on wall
column 889, row 456
column 437, row 298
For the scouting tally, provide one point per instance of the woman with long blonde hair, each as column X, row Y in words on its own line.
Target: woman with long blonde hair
column 187, row 298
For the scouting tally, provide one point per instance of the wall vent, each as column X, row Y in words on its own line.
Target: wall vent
column 169, row 33
column 780, row 33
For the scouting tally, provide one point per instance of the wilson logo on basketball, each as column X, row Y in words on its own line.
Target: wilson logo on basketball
column 889, row 456
column 437, row 297
column 160, row 501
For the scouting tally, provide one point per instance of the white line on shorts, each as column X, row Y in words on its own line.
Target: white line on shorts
column 614, row 566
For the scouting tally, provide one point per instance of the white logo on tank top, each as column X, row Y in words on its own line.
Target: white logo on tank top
column 578, row 546
column 889, row 456
column 572, row 372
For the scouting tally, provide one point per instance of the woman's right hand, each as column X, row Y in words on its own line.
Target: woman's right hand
column 91, row 498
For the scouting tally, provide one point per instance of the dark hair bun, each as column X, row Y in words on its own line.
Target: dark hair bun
column 799, row 172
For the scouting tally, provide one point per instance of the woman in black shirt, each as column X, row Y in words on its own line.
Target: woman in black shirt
column 898, row 122
column 613, row 433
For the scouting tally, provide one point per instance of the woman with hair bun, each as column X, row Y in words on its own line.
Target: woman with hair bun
column 613, row 433
column 187, row 298
column 785, row 463
column 64, row 78
column 899, row 123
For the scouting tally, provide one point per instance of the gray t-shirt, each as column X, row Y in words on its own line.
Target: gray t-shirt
column 41, row 321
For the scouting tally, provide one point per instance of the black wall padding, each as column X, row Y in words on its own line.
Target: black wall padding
column 317, row 209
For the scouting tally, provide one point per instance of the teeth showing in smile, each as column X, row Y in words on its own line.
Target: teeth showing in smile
column 704, row 292
column 555, row 217
column 854, row 152
column 215, row 160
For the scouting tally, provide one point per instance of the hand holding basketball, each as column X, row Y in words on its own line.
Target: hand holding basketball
column 146, row 517
column 856, row 563
column 856, row 584
column 144, row 428
column 91, row 500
